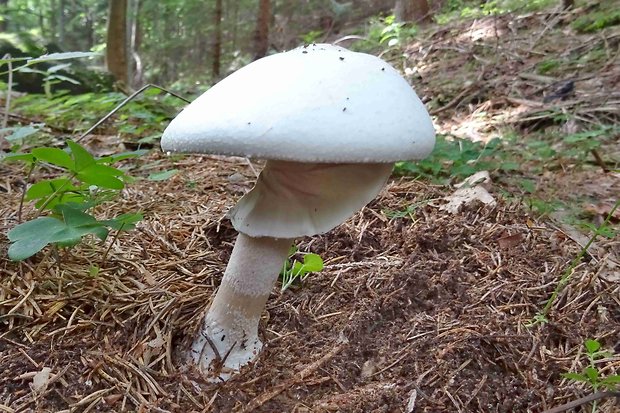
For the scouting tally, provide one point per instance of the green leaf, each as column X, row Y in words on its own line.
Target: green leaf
column 615, row 379
column 313, row 263
column 575, row 376
column 24, row 157
column 592, row 374
column 163, row 175
column 77, row 224
column 124, row 222
column 509, row 166
column 122, row 156
column 45, row 188
column 101, row 175
column 62, row 56
column 30, row 237
column 14, row 59
column 54, row 156
column 21, row 132
column 528, row 185
column 82, row 159
column 74, row 217
column 592, row 346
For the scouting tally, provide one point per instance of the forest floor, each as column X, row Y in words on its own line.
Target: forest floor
column 418, row 309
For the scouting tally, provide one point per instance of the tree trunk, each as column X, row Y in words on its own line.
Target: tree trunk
column 136, row 41
column 261, row 36
column 235, row 25
column 417, row 11
column 217, row 42
column 116, row 46
column 421, row 11
column 61, row 23
column 4, row 23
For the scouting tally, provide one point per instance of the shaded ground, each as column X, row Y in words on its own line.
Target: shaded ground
column 420, row 311
column 430, row 304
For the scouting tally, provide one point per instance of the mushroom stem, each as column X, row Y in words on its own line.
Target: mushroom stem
column 229, row 339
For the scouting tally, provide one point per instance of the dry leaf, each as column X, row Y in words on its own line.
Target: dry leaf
column 466, row 196
column 40, row 380
column 481, row 178
column 510, row 241
column 112, row 399
column 603, row 209
column 157, row 342
column 411, row 402
column 368, row 369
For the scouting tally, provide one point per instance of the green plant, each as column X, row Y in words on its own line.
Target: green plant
column 581, row 144
column 455, row 159
column 313, row 36
column 396, row 33
column 597, row 21
column 294, row 270
column 601, row 230
column 591, row 375
column 547, row 66
column 407, row 212
column 83, row 183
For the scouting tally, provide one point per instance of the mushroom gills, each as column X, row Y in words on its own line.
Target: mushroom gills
column 293, row 199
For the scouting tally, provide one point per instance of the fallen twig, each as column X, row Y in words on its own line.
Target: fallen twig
column 584, row 400
column 265, row 397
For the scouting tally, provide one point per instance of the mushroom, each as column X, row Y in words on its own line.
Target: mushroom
column 330, row 123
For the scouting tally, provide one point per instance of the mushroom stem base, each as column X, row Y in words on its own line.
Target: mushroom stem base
column 228, row 339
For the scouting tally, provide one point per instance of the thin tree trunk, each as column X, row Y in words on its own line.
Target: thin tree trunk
column 235, row 25
column 61, row 23
column 261, row 36
column 417, row 11
column 135, row 41
column 116, row 46
column 217, row 43
column 52, row 21
column 400, row 11
column 421, row 11
column 4, row 23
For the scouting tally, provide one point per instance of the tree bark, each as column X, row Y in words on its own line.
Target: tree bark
column 417, row 11
column 135, row 44
column 261, row 36
column 4, row 23
column 568, row 4
column 61, row 23
column 116, row 44
column 217, row 43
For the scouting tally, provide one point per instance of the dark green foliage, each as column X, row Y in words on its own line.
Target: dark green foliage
column 47, row 76
column 597, row 21
column 454, row 159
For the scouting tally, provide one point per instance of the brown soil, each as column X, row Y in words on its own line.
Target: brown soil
column 431, row 307
column 424, row 311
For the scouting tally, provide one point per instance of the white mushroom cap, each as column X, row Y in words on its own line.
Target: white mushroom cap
column 318, row 103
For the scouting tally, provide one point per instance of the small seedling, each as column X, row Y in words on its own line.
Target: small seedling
column 454, row 159
column 601, row 230
column 83, row 183
column 294, row 270
column 591, row 374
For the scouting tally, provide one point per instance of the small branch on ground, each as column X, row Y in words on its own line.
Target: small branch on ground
column 124, row 102
column 584, row 400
